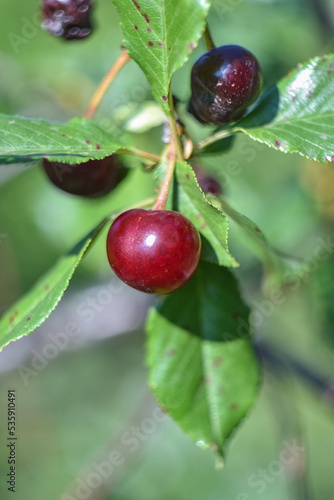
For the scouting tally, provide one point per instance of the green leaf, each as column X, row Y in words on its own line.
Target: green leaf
column 215, row 145
column 211, row 222
column 272, row 262
column 280, row 268
column 322, row 290
column 28, row 139
column 202, row 368
column 36, row 306
column 160, row 35
column 297, row 115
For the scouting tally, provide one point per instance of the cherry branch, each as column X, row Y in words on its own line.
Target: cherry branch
column 102, row 89
column 280, row 362
column 173, row 126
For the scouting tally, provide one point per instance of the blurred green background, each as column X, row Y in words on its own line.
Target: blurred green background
column 75, row 409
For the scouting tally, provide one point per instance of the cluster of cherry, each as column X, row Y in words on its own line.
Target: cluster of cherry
column 156, row 251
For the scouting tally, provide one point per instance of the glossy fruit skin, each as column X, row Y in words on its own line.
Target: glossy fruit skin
column 69, row 19
column 193, row 112
column 224, row 82
column 207, row 183
column 154, row 251
column 92, row 179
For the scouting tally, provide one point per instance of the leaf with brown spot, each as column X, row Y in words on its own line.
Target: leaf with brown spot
column 168, row 31
column 30, row 139
column 212, row 381
column 295, row 115
column 211, row 222
column 37, row 304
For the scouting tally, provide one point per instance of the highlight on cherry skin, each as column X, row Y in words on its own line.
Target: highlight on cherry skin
column 154, row 251
column 225, row 81
column 91, row 179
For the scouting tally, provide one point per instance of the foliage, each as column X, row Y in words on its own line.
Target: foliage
column 202, row 367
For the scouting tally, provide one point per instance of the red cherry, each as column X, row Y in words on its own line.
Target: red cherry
column 92, row 179
column 155, row 251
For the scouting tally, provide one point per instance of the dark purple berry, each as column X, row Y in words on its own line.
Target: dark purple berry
column 69, row 19
column 207, row 183
column 155, row 251
column 92, row 179
column 192, row 111
column 224, row 82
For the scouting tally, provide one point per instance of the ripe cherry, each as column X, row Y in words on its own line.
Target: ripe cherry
column 224, row 82
column 193, row 112
column 155, row 251
column 70, row 19
column 92, row 179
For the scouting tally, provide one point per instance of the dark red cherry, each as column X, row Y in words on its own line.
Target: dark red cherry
column 69, row 19
column 207, row 183
column 92, row 179
column 224, row 82
column 193, row 112
column 155, row 251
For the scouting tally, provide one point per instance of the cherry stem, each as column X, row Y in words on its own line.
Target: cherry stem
column 214, row 138
column 140, row 154
column 142, row 204
column 102, row 89
column 167, row 182
column 173, row 152
column 145, row 203
column 208, row 38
